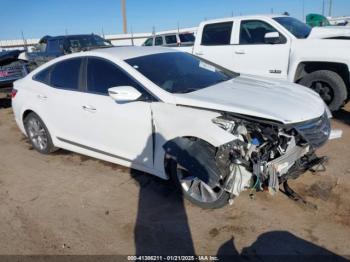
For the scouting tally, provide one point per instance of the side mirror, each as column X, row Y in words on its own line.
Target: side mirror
column 124, row 94
column 272, row 38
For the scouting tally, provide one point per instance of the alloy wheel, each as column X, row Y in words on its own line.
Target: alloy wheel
column 37, row 133
column 196, row 188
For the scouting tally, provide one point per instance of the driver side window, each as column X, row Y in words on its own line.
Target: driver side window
column 253, row 33
column 102, row 75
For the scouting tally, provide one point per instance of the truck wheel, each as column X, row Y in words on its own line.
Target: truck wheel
column 329, row 85
column 195, row 190
column 38, row 134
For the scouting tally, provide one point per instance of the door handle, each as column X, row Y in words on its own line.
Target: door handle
column 240, row 52
column 42, row 97
column 89, row 108
column 199, row 53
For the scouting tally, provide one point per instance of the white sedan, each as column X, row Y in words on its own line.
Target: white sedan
column 170, row 114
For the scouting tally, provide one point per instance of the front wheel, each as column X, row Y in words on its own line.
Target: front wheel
column 197, row 191
column 329, row 85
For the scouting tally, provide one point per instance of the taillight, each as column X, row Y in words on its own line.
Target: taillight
column 13, row 93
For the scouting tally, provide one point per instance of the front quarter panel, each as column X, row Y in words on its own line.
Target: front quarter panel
column 172, row 121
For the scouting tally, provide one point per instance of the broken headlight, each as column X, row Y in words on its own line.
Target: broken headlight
column 225, row 124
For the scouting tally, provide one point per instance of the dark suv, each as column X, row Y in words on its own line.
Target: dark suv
column 13, row 68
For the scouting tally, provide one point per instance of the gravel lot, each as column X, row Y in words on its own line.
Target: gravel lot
column 71, row 204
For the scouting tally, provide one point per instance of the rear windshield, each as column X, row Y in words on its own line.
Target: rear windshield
column 178, row 72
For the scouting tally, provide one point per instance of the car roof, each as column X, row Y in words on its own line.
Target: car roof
column 128, row 52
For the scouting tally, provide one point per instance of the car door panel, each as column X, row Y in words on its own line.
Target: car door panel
column 253, row 56
column 121, row 130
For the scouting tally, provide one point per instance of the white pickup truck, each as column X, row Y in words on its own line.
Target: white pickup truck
column 280, row 47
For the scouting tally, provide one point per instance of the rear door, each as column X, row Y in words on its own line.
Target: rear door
column 253, row 55
column 215, row 44
column 61, row 101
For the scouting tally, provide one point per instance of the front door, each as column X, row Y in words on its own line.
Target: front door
column 253, row 55
column 122, row 130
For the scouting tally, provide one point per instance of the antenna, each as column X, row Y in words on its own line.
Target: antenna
column 125, row 26
column 132, row 36
column 103, row 33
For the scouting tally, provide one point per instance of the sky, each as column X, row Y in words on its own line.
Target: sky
column 37, row 18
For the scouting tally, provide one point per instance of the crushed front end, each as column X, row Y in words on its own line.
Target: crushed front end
column 266, row 154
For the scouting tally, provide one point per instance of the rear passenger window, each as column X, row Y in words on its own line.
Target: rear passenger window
column 149, row 42
column 66, row 74
column 43, row 76
column 159, row 40
column 170, row 39
column 217, row 34
column 102, row 75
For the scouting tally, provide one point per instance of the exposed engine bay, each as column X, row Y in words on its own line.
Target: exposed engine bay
column 265, row 155
column 262, row 156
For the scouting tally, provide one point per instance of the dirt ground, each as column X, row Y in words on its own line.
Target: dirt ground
column 71, row 204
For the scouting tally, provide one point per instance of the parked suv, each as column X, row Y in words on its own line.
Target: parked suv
column 168, row 113
column 184, row 40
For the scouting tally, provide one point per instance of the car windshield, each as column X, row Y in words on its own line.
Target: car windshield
column 88, row 41
column 178, row 72
column 297, row 28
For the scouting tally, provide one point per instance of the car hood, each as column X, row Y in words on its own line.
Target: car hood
column 329, row 31
column 258, row 97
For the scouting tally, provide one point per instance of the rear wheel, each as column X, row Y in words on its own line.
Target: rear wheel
column 329, row 85
column 38, row 134
column 197, row 191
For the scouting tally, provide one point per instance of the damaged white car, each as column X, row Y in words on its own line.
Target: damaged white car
column 170, row 114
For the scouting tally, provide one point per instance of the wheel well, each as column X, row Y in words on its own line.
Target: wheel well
column 168, row 159
column 26, row 113
column 305, row 68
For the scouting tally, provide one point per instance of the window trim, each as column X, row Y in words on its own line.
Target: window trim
column 218, row 23
column 51, row 67
column 152, row 97
column 285, row 39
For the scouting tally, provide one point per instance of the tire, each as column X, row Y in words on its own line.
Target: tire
column 38, row 134
column 329, row 85
column 221, row 201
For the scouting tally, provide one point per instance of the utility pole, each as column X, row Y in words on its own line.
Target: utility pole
column 330, row 8
column 323, row 7
column 25, row 46
column 125, row 26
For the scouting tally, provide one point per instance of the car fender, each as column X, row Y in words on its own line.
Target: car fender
column 174, row 121
column 317, row 50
